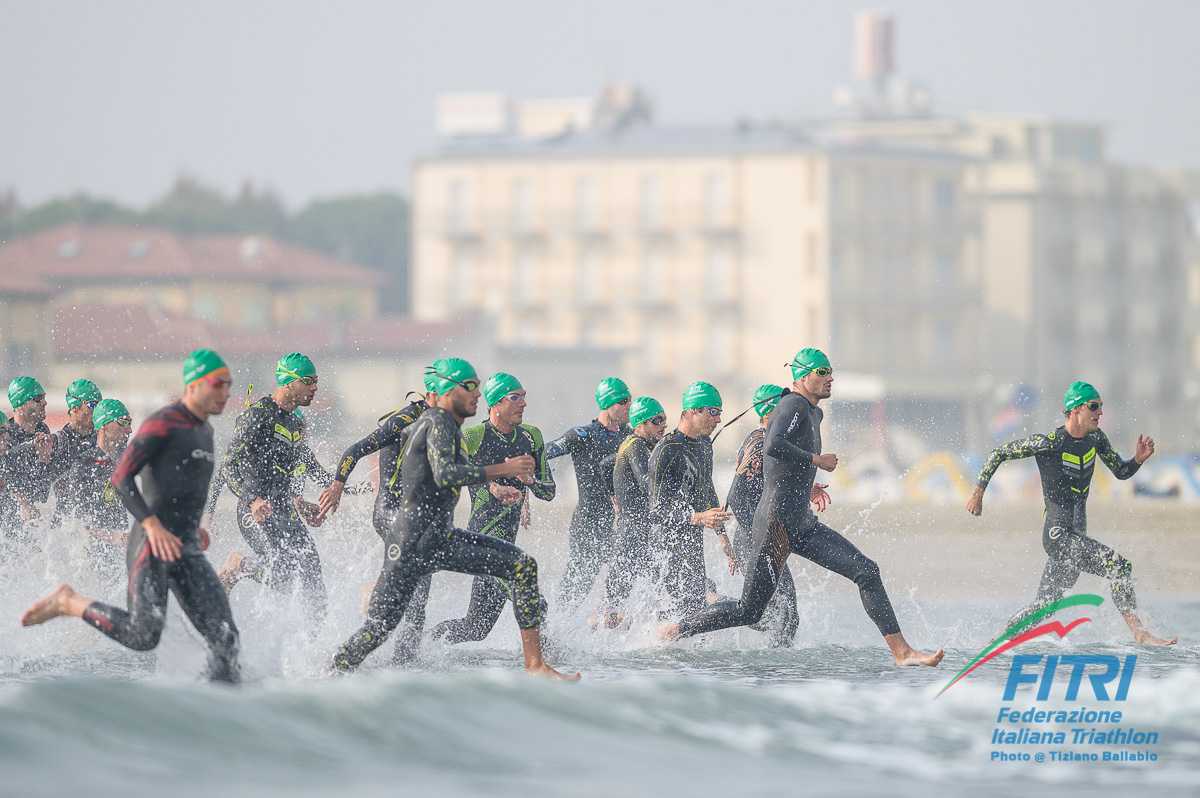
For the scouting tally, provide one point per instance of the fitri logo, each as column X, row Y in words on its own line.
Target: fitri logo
column 393, row 551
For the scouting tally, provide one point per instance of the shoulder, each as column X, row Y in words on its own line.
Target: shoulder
column 474, row 436
column 533, row 434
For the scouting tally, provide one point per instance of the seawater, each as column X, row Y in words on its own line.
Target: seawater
column 719, row 715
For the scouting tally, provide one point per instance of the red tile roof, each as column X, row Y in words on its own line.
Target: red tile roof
column 73, row 253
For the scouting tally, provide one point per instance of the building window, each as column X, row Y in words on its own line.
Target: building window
column 719, row 274
column 945, row 272
column 715, row 202
column 943, row 344
column 585, row 205
column 254, row 313
column 459, row 210
column 591, row 278
column 650, row 215
column 522, row 207
column 525, row 282
column 654, row 276
column 945, row 198
column 463, row 289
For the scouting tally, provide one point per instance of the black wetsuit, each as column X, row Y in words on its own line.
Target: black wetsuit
column 389, row 440
column 10, row 512
column 593, row 451
column 635, row 555
column 173, row 453
column 22, row 472
column 97, row 505
column 744, row 496
column 1066, row 465
column 487, row 445
column 261, row 462
column 69, row 446
column 785, row 523
column 680, row 485
column 433, row 468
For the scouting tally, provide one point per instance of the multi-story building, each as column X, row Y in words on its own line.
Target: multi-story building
column 715, row 254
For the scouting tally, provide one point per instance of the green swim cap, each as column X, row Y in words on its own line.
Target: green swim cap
column 201, row 363
column 448, row 372
column 498, row 386
column 1078, row 393
column 292, row 367
column 644, row 408
column 806, row 360
column 82, row 391
column 701, row 394
column 430, row 380
column 610, row 391
column 22, row 389
column 107, row 411
column 765, row 398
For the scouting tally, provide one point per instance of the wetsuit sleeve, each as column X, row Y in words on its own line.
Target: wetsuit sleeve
column 543, row 481
column 442, row 446
column 778, row 441
column 148, row 442
column 313, row 468
column 473, row 437
column 214, row 494
column 639, row 466
column 21, row 466
column 565, row 444
column 1016, row 450
column 251, row 436
column 1121, row 469
column 668, row 505
column 389, row 432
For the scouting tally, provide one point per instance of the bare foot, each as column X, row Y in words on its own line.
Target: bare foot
column 914, row 657
column 544, row 671
column 1147, row 639
column 667, row 632
column 52, row 606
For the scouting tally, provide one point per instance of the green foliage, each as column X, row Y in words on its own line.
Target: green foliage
column 369, row 230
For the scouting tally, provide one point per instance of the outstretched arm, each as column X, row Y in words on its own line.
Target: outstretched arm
column 1121, row 468
column 1016, row 450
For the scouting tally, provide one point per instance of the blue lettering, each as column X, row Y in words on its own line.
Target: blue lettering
column 1016, row 676
column 1079, row 661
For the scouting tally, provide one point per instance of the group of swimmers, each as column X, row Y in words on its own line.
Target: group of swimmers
column 646, row 499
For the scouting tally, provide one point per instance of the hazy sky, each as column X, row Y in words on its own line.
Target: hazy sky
column 319, row 99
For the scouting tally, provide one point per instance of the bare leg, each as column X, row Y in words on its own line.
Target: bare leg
column 63, row 601
column 907, row 655
column 1141, row 635
column 231, row 572
column 531, row 641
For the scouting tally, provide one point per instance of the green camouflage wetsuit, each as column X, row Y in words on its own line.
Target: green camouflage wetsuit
column 784, row 523
column 744, row 496
column 262, row 461
column 680, row 485
column 433, row 468
column 593, row 451
column 388, row 439
column 635, row 554
column 487, row 445
column 1066, row 465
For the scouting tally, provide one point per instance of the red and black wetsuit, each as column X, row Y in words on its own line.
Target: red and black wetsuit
column 173, row 452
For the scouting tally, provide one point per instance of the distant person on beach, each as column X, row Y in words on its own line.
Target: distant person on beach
column 173, row 453
column 785, row 523
column 434, row 468
column 1066, row 459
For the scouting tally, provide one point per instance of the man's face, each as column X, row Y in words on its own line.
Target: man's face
column 653, row 429
column 511, row 407
column 117, row 434
column 212, row 391
column 818, row 385
column 465, row 403
column 81, row 415
column 302, row 391
column 706, row 419
column 619, row 412
column 35, row 408
column 1089, row 418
